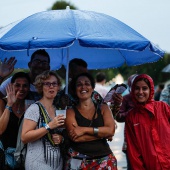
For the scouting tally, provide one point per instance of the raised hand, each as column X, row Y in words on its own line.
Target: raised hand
column 11, row 96
column 7, row 66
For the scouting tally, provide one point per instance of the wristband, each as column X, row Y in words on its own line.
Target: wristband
column 96, row 131
column 9, row 108
column 47, row 127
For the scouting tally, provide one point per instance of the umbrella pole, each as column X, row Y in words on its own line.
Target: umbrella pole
column 67, row 71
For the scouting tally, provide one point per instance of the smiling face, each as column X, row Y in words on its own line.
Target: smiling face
column 83, row 88
column 21, row 86
column 38, row 65
column 50, row 87
column 141, row 91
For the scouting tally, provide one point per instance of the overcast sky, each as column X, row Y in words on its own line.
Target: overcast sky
column 148, row 17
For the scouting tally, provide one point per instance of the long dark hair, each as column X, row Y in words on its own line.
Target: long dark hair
column 20, row 75
column 74, row 80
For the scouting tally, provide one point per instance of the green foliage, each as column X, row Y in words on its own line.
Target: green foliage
column 62, row 5
column 152, row 69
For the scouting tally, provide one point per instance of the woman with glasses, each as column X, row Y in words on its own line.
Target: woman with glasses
column 40, row 120
column 12, row 109
column 89, row 125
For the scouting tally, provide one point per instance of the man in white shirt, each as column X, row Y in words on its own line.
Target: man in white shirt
column 100, row 82
column 40, row 62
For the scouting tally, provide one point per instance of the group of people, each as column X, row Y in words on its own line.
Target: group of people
column 89, row 122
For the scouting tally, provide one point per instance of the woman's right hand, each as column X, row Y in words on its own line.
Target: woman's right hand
column 57, row 122
column 11, row 96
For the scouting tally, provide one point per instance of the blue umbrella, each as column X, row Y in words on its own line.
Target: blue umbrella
column 101, row 40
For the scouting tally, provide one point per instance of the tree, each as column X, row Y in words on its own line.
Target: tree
column 152, row 69
column 62, row 5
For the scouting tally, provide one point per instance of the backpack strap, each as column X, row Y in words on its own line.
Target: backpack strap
column 44, row 115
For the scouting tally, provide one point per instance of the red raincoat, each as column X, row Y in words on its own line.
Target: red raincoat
column 148, row 133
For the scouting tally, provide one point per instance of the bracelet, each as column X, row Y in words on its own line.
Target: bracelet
column 9, row 108
column 47, row 127
column 96, row 131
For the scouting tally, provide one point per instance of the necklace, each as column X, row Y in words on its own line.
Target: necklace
column 18, row 110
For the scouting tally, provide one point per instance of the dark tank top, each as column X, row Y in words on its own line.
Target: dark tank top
column 94, row 148
column 9, row 137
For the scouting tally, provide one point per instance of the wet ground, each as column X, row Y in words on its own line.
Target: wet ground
column 116, row 146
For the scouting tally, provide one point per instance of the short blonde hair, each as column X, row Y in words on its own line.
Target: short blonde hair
column 44, row 76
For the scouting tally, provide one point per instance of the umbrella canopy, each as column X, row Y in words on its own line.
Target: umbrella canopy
column 166, row 69
column 101, row 40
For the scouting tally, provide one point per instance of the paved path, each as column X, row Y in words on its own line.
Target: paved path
column 116, row 146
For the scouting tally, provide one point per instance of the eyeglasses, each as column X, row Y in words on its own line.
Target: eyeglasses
column 48, row 84
column 37, row 61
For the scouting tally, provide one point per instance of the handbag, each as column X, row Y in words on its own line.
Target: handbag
column 2, row 159
column 9, row 156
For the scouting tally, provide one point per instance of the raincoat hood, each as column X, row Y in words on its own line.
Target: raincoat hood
column 148, row 104
column 130, row 80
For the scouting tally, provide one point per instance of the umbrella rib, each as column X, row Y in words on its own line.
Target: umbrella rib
column 75, row 26
column 122, row 55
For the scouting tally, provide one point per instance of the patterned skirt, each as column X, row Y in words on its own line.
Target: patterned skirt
column 77, row 161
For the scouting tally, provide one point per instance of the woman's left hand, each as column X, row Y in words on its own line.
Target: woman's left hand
column 57, row 139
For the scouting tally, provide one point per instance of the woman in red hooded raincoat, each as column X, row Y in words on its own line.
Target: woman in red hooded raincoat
column 148, row 128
